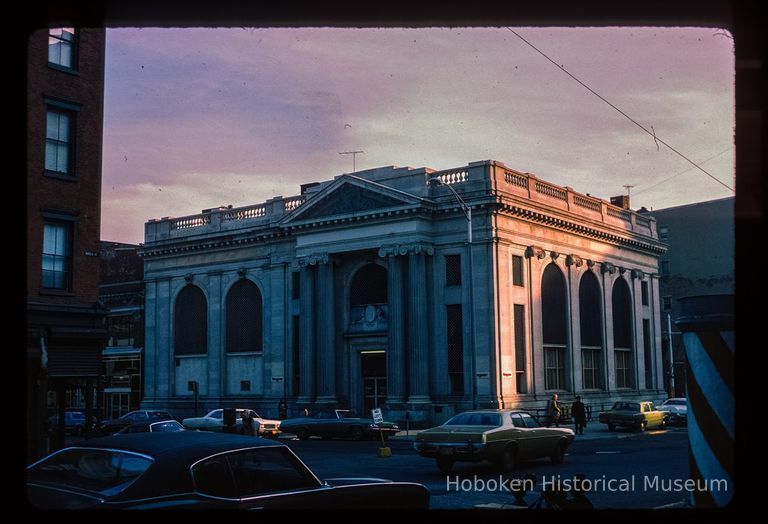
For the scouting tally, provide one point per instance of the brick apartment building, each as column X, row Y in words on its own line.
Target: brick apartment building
column 65, row 323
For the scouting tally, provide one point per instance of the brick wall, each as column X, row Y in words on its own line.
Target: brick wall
column 81, row 194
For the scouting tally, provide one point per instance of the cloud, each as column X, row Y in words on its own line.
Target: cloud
column 275, row 106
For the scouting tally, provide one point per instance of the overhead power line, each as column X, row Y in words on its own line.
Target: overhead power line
column 643, row 190
column 652, row 134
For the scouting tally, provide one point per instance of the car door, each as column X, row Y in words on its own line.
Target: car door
column 522, row 436
column 539, row 441
column 655, row 417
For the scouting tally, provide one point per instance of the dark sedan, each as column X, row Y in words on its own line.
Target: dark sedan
column 161, row 426
column 192, row 469
column 330, row 423
column 108, row 427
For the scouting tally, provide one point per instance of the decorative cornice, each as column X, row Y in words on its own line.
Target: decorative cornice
column 636, row 273
column 242, row 272
column 554, row 255
column 590, row 263
column 188, row 278
column 573, row 227
column 607, row 267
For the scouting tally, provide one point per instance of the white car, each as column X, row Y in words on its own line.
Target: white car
column 676, row 409
column 214, row 421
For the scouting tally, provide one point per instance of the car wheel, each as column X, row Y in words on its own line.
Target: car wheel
column 506, row 461
column 643, row 425
column 611, row 427
column 302, row 433
column 558, row 456
column 444, row 464
column 356, row 433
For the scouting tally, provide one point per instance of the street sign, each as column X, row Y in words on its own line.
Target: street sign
column 377, row 416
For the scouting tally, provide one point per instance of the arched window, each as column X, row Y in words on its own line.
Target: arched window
column 554, row 324
column 368, row 299
column 191, row 322
column 369, row 286
column 591, row 324
column 622, row 333
column 244, row 318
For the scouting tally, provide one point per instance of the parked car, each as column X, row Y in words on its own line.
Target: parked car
column 200, row 470
column 108, row 427
column 74, row 422
column 161, row 426
column 214, row 421
column 638, row 415
column 676, row 410
column 502, row 436
column 330, row 423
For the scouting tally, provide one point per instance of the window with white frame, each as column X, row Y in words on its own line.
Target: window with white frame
column 58, row 141
column 623, row 368
column 554, row 367
column 590, row 365
column 57, row 256
column 62, row 46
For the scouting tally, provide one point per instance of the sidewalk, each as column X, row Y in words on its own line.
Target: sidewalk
column 593, row 431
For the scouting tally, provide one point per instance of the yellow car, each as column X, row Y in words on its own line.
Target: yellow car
column 502, row 436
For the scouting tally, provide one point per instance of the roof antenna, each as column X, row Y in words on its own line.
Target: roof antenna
column 354, row 155
column 627, row 187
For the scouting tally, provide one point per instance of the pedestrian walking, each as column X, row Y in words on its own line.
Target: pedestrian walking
column 553, row 411
column 579, row 413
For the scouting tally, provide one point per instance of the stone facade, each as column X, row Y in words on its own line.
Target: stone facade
column 372, row 295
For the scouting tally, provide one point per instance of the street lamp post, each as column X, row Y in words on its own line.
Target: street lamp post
column 467, row 210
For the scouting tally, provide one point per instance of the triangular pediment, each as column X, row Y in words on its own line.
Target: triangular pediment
column 350, row 195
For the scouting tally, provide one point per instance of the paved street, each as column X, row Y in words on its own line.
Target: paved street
column 599, row 455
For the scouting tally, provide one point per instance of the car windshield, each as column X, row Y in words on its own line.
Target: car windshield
column 102, row 471
column 627, row 406
column 475, row 419
column 165, row 427
column 216, row 413
column 675, row 403
column 252, row 472
column 346, row 414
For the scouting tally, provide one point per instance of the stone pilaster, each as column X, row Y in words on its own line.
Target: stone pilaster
column 396, row 324
column 307, row 332
column 418, row 325
column 326, row 332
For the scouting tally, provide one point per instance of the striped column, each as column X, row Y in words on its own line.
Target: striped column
column 707, row 326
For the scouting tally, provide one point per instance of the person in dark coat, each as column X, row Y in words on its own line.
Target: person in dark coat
column 282, row 410
column 579, row 413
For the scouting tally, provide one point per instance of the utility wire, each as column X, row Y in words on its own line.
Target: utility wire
column 655, row 137
column 681, row 172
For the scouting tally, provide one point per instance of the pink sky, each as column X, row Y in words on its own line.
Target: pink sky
column 196, row 118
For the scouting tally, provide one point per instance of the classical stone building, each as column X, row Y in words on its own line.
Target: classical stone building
column 371, row 290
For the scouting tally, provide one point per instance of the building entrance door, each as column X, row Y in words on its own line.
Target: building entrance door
column 374, row 371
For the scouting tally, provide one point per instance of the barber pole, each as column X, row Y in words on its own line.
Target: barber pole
column 707, row 326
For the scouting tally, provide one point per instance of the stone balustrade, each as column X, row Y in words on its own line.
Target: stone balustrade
column 472, row 180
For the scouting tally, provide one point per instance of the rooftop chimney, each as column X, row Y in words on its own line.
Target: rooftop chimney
column 621, row 201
